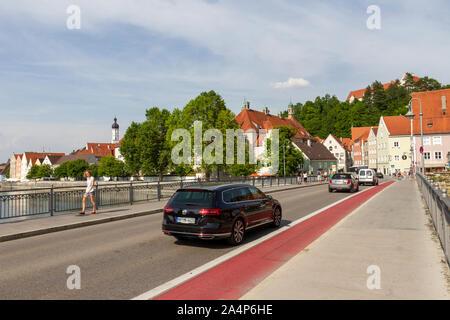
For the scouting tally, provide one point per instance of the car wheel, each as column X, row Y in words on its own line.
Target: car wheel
column 330, row 190
column 276, row 218
column 237, row 233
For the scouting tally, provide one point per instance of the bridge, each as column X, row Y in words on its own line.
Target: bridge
column 380, row 243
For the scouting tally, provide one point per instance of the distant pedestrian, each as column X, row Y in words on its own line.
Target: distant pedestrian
column 305, row 177
column 89, row 192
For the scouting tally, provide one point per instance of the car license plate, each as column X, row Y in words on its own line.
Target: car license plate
column 339, row 182
column 186, row 220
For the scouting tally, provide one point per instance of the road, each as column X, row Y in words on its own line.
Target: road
column 121, row 260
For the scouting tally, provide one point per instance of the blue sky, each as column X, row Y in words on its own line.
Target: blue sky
column 61, row 88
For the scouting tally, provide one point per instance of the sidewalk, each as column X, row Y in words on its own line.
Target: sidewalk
column 32, row 226
column 391, row 231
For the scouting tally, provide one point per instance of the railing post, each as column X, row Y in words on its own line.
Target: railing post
column 253, row 181
column 158, row 191
column 97, row 195
column 50, row 204
column 262, row 182
column 181, row 183
column 271, row 180
column 131, row 192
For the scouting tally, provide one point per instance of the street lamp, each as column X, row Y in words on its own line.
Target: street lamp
column 410, row 116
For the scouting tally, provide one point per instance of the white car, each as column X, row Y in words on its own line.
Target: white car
column 367, row 176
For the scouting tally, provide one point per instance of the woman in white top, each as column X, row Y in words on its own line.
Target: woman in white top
column 89, row 192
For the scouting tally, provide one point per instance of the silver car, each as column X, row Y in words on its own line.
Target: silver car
column 343, row 182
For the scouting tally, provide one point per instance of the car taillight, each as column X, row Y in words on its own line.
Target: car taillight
column 331, row 181
column 167, row 209
column 349, row 181
column 210, row 212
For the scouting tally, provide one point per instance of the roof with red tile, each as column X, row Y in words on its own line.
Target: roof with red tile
column 360, row 133
column 431, row 103
column 397, row 125
column 251, row 119
column 99, row 150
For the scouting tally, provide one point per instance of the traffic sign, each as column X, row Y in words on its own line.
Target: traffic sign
column 421, row 149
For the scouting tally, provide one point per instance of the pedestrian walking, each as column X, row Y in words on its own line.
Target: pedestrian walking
column 305, row 177
column 89, row 192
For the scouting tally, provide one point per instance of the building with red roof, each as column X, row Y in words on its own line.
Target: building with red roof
column 359, row 146
column 261, row 123
column 341, row 150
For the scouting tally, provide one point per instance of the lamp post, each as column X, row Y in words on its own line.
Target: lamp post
column 410, row 116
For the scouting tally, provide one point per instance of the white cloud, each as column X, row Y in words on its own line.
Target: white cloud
column 290, row 83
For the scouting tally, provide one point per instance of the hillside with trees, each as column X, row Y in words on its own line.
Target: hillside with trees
column 328, row 114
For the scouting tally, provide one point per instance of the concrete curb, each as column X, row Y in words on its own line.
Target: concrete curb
column 32, row 233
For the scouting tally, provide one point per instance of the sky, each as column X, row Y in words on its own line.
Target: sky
column 62, row 87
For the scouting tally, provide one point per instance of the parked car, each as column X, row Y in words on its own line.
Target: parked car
column 219, row 212
column 379, row 175
column 367, row 176
column 344, row 182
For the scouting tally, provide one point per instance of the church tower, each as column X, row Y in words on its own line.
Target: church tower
column 115, row 132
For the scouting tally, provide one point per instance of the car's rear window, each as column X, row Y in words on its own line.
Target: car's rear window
column 362, row 173
column 193, row 197
column 342, row 176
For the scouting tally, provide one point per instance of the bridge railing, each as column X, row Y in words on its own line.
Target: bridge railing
column 55, row 200
column 438, row 204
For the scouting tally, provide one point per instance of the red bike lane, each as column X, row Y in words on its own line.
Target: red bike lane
column 233, row 278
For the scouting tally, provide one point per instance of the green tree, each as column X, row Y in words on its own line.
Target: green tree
column 76, row 168
column 45, row 171
column 62, row 171
column 111, row 167
column 93, row 168
column 33, row 172
column 130, row 149
column 210, row 108
column 288, row 155
column 152, row 144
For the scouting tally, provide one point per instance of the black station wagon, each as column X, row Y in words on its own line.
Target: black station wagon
column 219, row 212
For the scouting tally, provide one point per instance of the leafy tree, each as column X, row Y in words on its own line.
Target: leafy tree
column 94, row 170
column 153, row 147
column 429, row 84
column 62, row 171
column 77, row 168
column 111, row 167
column 288, row 155
column 210, row 108
column 45, row 171
column 33, row 172
column 130, row 150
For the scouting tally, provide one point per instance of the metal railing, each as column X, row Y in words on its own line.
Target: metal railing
column 438, row 204
column 19, row 203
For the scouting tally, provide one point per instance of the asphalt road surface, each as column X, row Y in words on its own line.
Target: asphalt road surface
column 123, row 259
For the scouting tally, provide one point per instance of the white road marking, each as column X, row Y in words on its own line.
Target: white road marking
column 199, row 270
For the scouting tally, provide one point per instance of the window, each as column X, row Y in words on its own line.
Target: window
column 256, row 193
column 397, row 158
column 426, row 141
column 437, row 140
column 198, row 197
column 437, row 155
column 426, row 155
column 236, row 195
column 396, row 144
